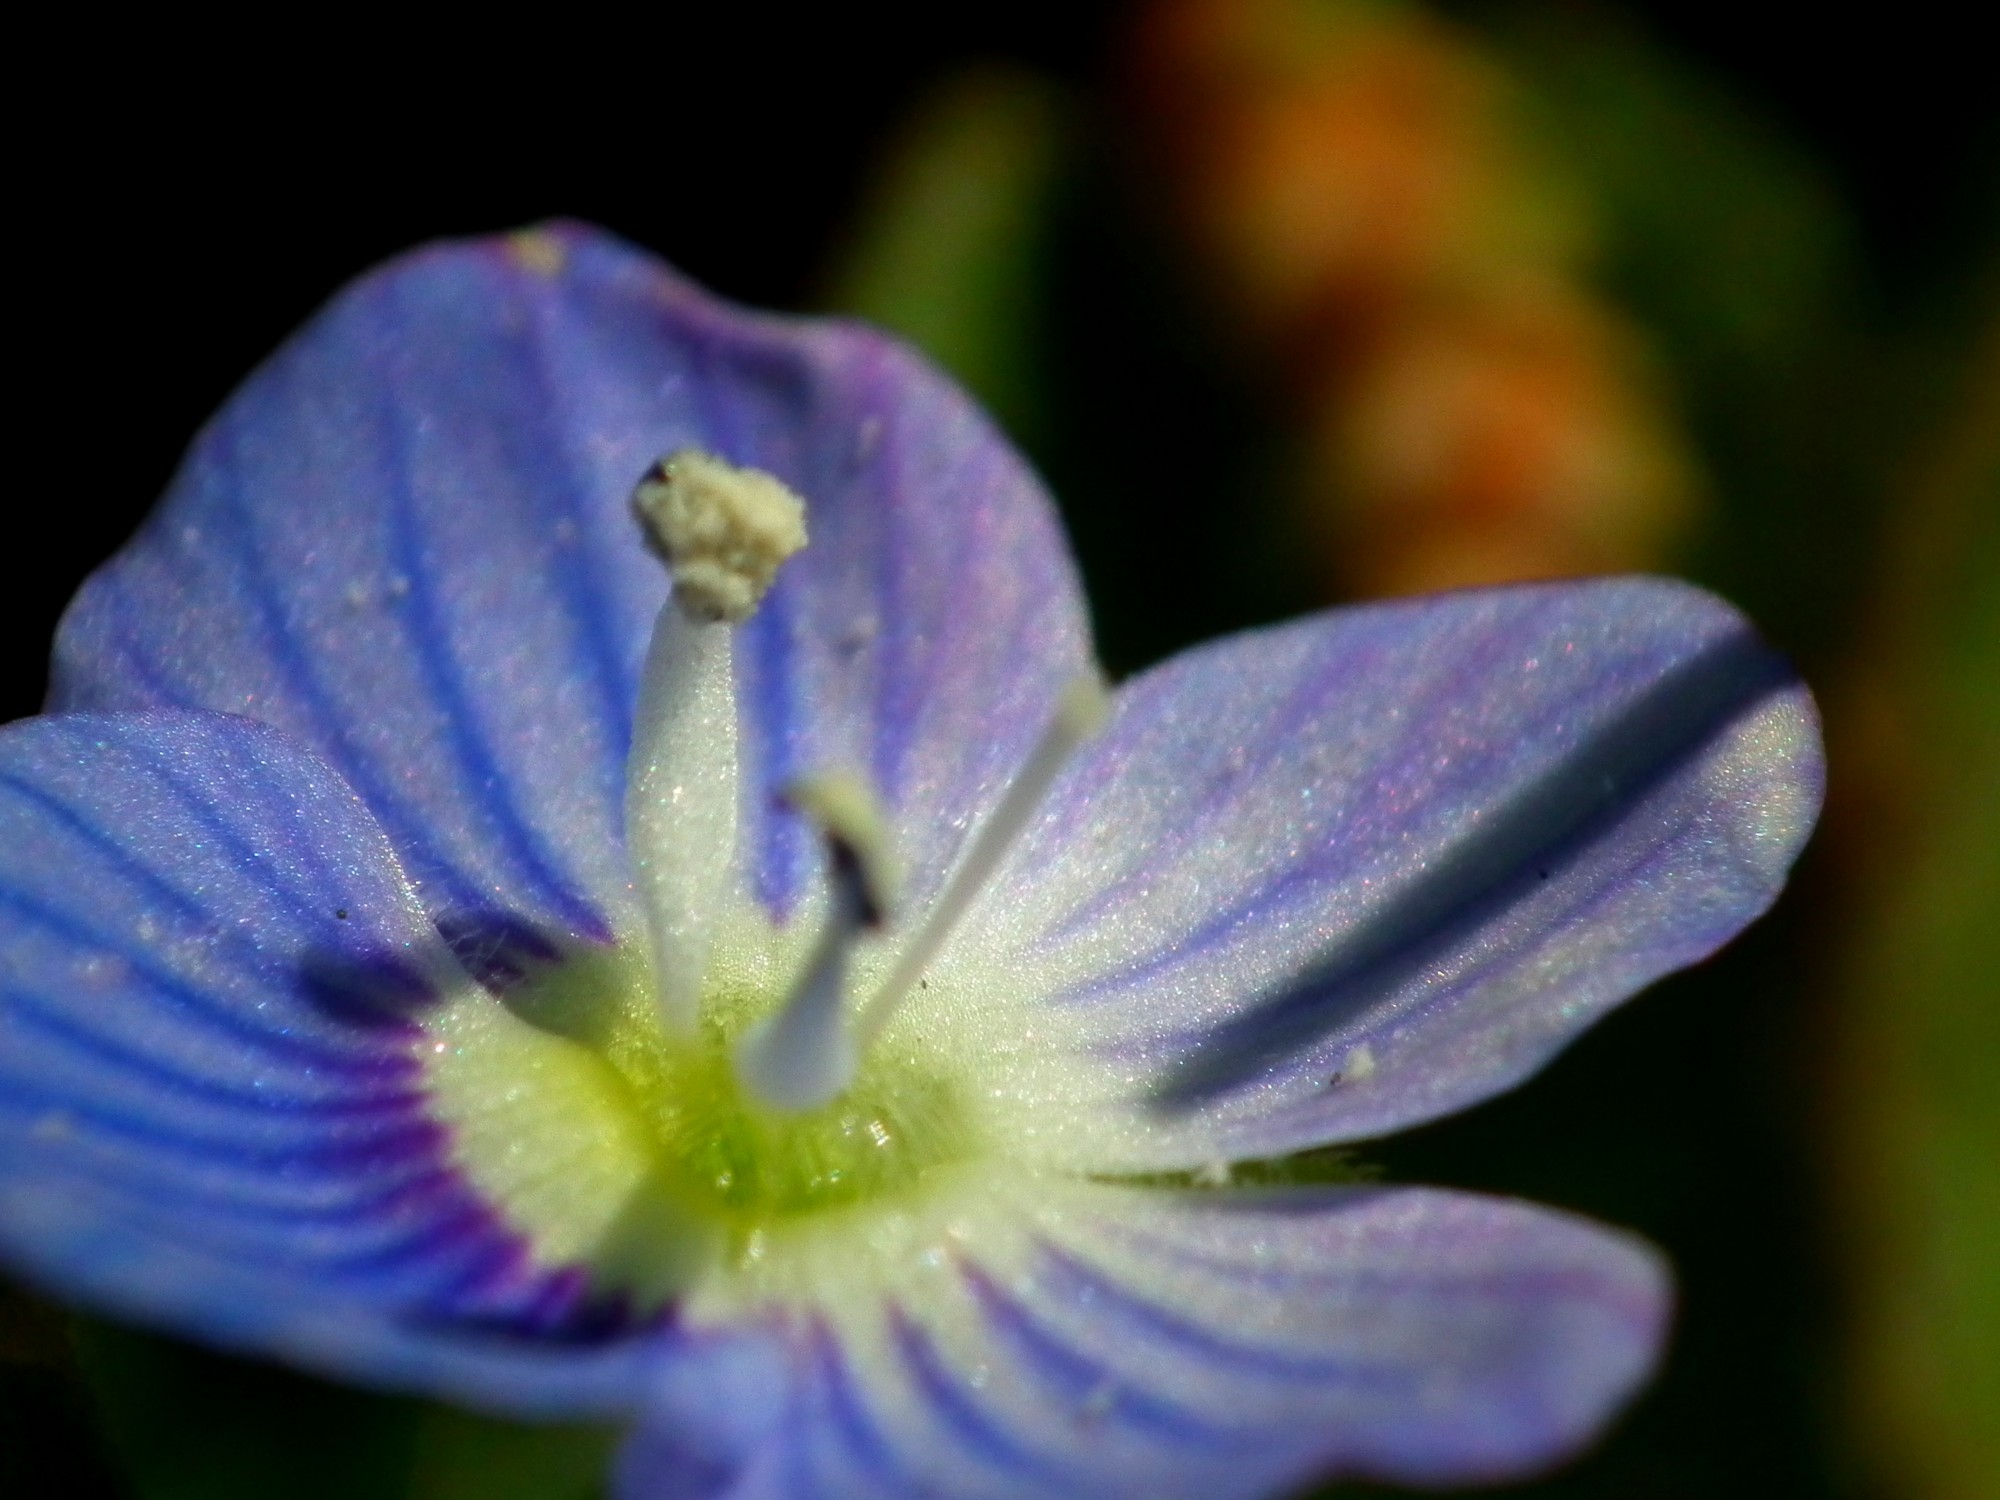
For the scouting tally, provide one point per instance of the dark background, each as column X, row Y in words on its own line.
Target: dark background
column 185, row 198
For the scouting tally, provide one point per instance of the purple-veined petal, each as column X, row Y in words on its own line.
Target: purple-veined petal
column 1319, row 882
column 924, row 635
column 1075, row 1339
column 709, row 1413
column 406, row 541
column 211, row 1113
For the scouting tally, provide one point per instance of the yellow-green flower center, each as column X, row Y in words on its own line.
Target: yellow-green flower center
column 611, row 1142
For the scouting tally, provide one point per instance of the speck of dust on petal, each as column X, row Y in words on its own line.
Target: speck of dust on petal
column 539, row 251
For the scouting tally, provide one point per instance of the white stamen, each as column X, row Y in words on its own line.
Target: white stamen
column 1080, row 713
column 804, row 1055
column 722, row 532
column 842, row 807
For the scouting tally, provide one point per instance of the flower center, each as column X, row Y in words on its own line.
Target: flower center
column 653, row 1110
column 723, row 532
column 635, row 1149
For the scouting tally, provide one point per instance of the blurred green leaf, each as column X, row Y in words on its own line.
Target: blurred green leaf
column 460, row 1456
column 183, row 1423
column 947, row 249
column 1920, row 1164
column 1720, row 231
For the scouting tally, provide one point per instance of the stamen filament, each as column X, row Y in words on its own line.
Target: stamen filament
column 1080, row 713
column 804, row 1055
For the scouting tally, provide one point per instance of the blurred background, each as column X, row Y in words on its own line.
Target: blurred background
column 1293, row 302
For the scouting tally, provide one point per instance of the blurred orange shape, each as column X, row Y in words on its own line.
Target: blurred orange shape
column 1339, row 158
column 1510, row 436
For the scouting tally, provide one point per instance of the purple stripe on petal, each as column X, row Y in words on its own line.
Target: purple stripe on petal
column 405, row 541
column 1323, row 881
column 1095, row 1391
column 1215, row 1346
column 1531, row 836
column 292, row 692
column 559, row 418
column 844, row 1407
column 725, row 1417
column 179, row 1002
column 211, row 1113
column 320, row 1324
column 145, row 1072
column 956, row 1408
column 1143, row 1319
column 772, row 693
column 527, row 859
column 1456, row 1337
column 925, row 631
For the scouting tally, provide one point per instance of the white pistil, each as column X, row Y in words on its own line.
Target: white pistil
column 680, row 796
column 804, row 1055
column 722, row 532
column 1080, row 713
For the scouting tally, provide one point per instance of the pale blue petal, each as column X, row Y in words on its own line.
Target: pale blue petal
column 924, row 635
column 1211, row 1346
column 1319, row 882
column 710, row 1413
column 406, row 541
column 211, row 1108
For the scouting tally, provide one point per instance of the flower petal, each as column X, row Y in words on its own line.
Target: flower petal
column 709, row 1413
column 924, row 636
column 211, row 1114
column 1080, row 1339
column 1320, row 882
column 406, row 541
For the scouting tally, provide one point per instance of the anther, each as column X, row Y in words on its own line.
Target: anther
column 1080, row 714
column 842, row 807
column 805, row 1055
column 722, row 531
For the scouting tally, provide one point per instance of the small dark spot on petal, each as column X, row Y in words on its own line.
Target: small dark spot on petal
column 341, row 914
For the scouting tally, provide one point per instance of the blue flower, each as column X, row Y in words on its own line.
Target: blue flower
column 433, row 956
